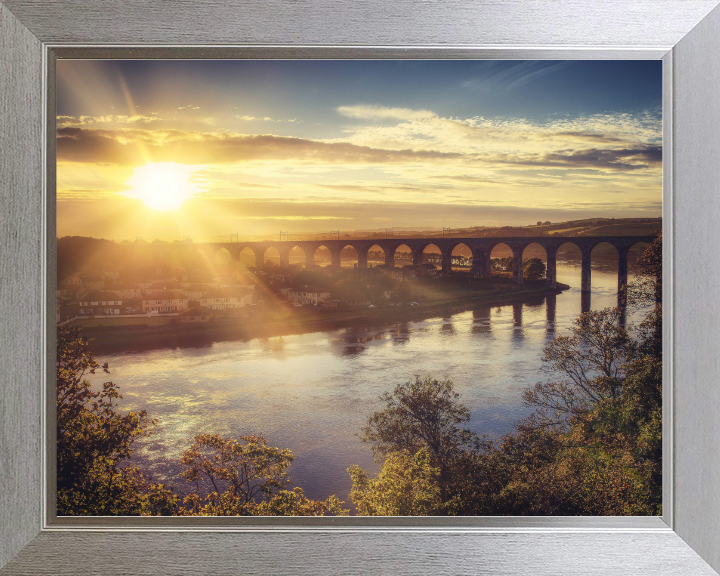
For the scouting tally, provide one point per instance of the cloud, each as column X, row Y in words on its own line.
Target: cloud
column 615, row 159
column 585, row 136
column 107, row 119
column 135, row 147
column 498, row 77
column 481, row 135
column 364, row 112
column 264, row 119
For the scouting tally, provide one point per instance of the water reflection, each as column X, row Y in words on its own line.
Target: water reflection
column 585, row 300
column 517, row 313
column 550, row 307
column 353, row 350
column 313, row 392
column 447, row 328
column 481, row 320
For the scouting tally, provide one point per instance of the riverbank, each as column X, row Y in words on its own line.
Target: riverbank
column 110, row 338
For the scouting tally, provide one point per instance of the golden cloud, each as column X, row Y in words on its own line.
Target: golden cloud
column 132, row 146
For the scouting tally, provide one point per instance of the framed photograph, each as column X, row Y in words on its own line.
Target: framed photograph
column 241, row 226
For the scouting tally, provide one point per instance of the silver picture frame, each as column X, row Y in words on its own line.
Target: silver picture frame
column 685, row 34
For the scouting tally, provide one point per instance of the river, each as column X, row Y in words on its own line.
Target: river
column 313, row 392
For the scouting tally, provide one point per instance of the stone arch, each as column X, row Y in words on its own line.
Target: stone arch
column 323, row 255
column 576, row 257
column 349, row 256
column 570, row 255
column 535, row 250
column 222, row 257
column 375, row 255
column 247, row 257
column 605, row 253
column 297, row 255
column 605, row 256
column 271, row 254
column 569, row 251
column 500, row 253
column 402, row 257
column 461, row 257
column 431, row 253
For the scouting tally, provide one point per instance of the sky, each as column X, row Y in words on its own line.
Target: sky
column 169, row 149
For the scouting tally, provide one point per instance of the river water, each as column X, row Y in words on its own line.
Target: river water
column 313, row 392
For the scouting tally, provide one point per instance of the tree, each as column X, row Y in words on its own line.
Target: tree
column 244, row 478
column 647, row 289
column 533, row 269
column 422, row 413
column 406, row 486
column 94, row 443
column 592, row 363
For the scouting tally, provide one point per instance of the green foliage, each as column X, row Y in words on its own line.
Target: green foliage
column 422, row 413
column 94, row 443
column 533, row 269
column 243, row 479
column 406, row 486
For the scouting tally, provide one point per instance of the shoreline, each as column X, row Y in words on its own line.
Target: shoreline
column 112, row 339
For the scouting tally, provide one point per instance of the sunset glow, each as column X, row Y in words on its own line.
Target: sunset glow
column 162, row 186
column 258, row 147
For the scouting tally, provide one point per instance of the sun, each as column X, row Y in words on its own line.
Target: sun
column 162, row 185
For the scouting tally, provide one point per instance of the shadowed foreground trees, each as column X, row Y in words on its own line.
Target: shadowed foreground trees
column 245, row 479
column 94, row 440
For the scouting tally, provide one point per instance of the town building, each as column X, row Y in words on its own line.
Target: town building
column 308, row 295
column 226, row 298
column 168, row 301
column 195, row 291
column 100, row 303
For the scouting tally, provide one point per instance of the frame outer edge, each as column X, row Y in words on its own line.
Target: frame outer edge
column 21, row 381
column 20, row 169
column 696, row 278
column 366, row 22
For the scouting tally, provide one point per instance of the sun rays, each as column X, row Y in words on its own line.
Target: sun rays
column 162, row 186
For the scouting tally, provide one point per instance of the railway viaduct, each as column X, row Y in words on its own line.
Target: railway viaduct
column 480, row 248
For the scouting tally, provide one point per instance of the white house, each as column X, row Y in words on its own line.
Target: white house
column 102, row 302
column 226, row 298
column 308, row 295
column 168, row 301
column 195, row 291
